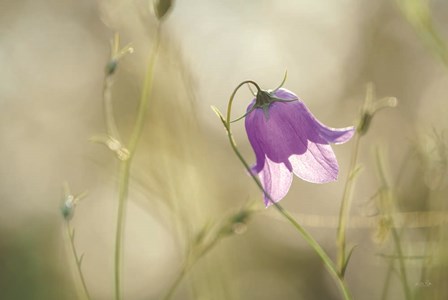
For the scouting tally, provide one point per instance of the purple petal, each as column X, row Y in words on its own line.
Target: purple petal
column 336, row 135
column 317, row 165
column 331, row 135
column 252, row 133
column 276, row 180
column 289, row 138
column 274, row 136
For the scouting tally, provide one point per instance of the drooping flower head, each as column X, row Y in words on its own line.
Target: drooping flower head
column 287, row 139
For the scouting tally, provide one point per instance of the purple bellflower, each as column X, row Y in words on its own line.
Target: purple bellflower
column 287, row 139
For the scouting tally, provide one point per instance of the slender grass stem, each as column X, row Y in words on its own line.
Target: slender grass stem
column 193, row 256
column 176, row 282
column 401, row 264
column 121, row 214
column 387, row 279
column 111, row 125
column 125, row 165
column 390, row 268
column 344, row 211
column 389, row 200
column 305, row 234
column 78, row 260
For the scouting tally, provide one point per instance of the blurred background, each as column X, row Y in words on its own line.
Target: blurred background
column 185, row 178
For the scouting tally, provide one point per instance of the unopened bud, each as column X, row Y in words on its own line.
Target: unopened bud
column 161, row 7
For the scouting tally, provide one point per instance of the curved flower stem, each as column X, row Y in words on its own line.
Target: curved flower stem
column 229, row 105
column 305, row 234
column 125, row 165
column 345, row 206
column 78, row 260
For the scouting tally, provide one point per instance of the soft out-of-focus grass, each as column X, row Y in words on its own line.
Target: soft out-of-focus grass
column 32, row 261
column 184, row 174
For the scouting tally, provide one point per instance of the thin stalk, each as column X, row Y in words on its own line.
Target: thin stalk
column 111, row 125
column 78, row 260
column 192, row 258
column 389, row 197
column 125, row 165
column 306, row 236
column 390, row 268
column 401, row 264
column 344, row 211
column 387, row 279
column 176, row 282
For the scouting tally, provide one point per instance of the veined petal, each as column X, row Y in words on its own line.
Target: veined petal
column 274, row 136
column 276, row 180
column 317, row 165
column 285, row 94
column 252, row 133
column 287, row 138
column 336, row 135
column 329, row 134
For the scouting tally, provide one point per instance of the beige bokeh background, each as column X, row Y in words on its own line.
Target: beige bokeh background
column 52, row 58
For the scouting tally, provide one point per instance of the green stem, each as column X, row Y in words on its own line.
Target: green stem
column 344, row 211
column 176, row 283
column 125, row 166
column 191, row 260
column 387, row 279
column 401, row 264
column 144, row 98
column 111, row 125
column 306, row 236
column 390, row 201
column 71, row 237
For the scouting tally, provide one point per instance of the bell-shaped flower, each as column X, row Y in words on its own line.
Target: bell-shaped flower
column 287, row 139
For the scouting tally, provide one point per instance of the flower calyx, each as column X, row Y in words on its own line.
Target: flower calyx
column 264, row 99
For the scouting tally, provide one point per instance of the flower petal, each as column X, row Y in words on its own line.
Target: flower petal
column 276, row 180
column 285, row 94
column 252, row 133
column 331, row 135
column 336, row 135
column 274, row 136
column 287, row 138
column 317, row 165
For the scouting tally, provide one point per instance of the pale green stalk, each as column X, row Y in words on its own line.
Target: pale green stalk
column 202, row 244
column 125, row 165
column 111, row 126
column 401, row 264
column 390, row 268
column 418, row 13
column 344, row 212
column 189, row 263
column 78, row 260
column 389, row 199
column 367, row 113
column 306, row 236
column 387, row 279
column 176, row 282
